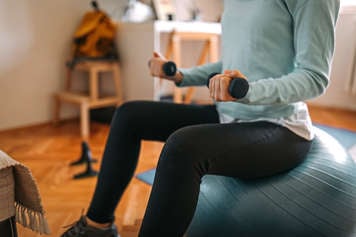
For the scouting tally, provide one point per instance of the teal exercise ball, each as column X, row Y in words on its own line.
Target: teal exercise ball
column 315, row 199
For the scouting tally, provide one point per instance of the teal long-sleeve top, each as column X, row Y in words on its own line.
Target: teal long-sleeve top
column 284, row 48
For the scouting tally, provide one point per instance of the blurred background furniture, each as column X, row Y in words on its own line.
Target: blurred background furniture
column 135, row 52
column 91, row 99
column 209, row 53
column 94, row 52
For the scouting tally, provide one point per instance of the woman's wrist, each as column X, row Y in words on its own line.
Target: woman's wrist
column 178, row 78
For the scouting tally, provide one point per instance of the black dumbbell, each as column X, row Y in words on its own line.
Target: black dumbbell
column 169, row 68
column 238, row 87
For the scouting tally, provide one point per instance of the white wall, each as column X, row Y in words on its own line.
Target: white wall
column 35, row 37
column 341, row 92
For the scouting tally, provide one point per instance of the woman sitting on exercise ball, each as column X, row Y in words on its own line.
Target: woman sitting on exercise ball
column 276, row 54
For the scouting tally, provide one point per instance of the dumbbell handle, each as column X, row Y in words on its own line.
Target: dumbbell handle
column 238, row 87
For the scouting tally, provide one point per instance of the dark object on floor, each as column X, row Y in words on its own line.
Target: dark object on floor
column 87, row 159
column 89, row 172
column 8, row 228
column 85, row 156
column 318, row 198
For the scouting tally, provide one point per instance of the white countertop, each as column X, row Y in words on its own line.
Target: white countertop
column 194, row 26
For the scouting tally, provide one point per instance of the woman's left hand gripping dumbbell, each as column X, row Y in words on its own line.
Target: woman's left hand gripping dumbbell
column 161, row 67
column 220, row 85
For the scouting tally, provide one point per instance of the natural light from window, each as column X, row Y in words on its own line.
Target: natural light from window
column 348, row 2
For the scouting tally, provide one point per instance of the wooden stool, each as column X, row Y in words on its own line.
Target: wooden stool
column 92, row 99
column 209, row 53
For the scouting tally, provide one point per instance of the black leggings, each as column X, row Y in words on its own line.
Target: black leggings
column 196, row 144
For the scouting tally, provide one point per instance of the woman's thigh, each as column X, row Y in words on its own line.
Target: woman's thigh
column 245, row 150
column 153, row 120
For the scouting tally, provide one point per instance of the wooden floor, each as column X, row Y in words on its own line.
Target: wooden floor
column 48, row 150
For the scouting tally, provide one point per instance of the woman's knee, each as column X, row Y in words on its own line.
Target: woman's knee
column 128, row 108
column 128, row 112
column 180, row 149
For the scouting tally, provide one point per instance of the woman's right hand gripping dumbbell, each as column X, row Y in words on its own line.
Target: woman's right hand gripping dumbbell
column 161, row 67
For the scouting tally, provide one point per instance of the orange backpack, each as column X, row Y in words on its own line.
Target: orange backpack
column 95, row 36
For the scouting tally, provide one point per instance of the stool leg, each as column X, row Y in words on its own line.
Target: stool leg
column 86, row 153
column 117, row 81
column 213, row 49
column 56, row 110
column 84, row 130
column 202, row 59
column 93, row 84
column 189, row 95
column 68, row 83
column 84, row 121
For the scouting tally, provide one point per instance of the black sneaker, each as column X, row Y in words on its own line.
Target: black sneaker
column 81, row 229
